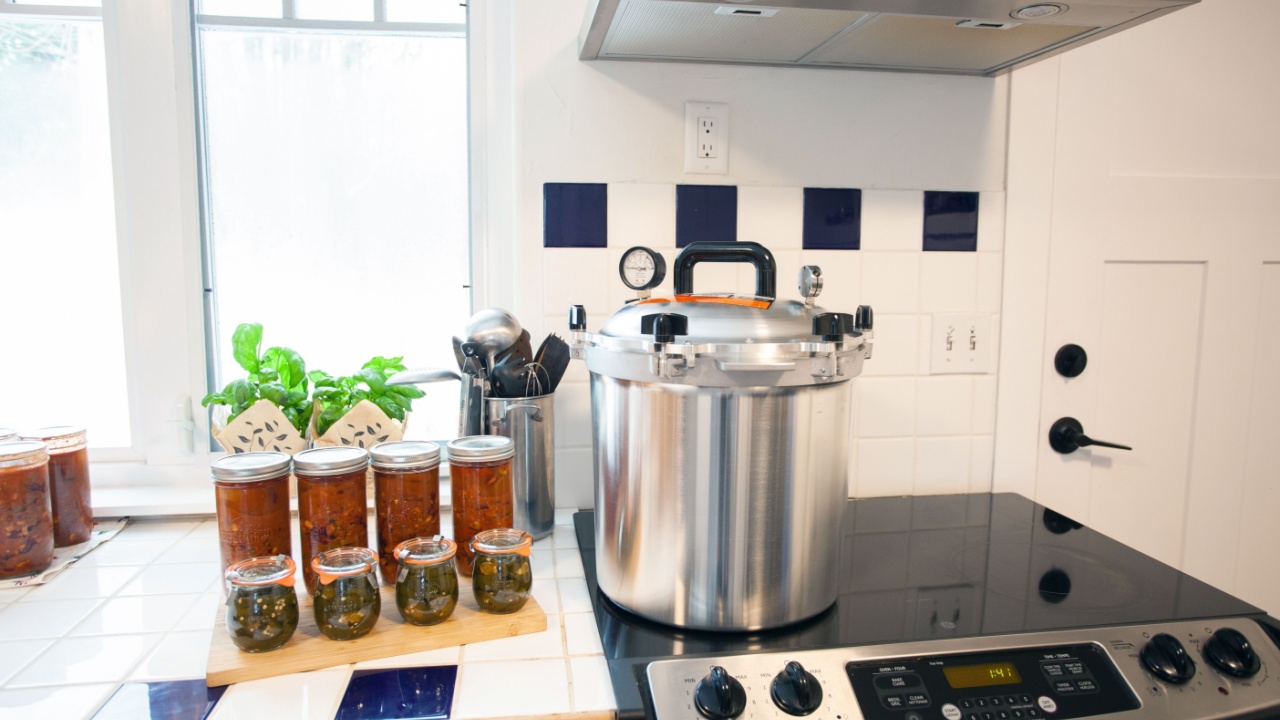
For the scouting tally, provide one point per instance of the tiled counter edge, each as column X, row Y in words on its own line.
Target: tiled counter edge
column 141, row 609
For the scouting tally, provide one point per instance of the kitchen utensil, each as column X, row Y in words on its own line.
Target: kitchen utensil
column 493, row 330
column 471, row 395
column 459, row 355
column 530, row 423
column 552, row 359
column 509, row 377
column 721, row 442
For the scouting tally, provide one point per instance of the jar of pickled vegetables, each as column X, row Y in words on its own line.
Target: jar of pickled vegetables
column 262, row 606
column 480, row 471
column 406, row 496
column 347, row 598
column 68, row 483
column 26, row 518
column 427, row 581
column 502, row 579
column 332, row 502
column 251, row 493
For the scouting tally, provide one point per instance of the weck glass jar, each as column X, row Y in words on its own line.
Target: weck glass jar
column 8, row 435
column 347, row 599
column 26, row 518
column 68, row 483
column 332, row 502
column 406, row 496
column 480, row 472
column 251, row 495
column 262, row 606
column 427, row 581
column 503, row 578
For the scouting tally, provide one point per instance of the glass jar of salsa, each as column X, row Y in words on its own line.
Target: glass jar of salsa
column 347, row 598
column 503, row 577
column 68, row 483
column 480, row 471
column 26, row 518
column 251, row 493
column 262, row 606
column 406, row 497
column 332, row 502
column 427, row 583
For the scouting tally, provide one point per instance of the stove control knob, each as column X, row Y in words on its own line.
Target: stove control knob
column 719, row 696
column 796, row 690
column 1165, row 657
column 1229, row 650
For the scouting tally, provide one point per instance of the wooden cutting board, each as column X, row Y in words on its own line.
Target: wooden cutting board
column 308, row 649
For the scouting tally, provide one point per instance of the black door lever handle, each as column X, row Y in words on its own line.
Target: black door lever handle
column 1067, row 436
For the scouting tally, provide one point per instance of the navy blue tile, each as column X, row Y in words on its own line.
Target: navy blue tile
column 951, row 221
column 706, row 212
column 832, row 219
column 575, row 215
column 170, row 700
column 421, row 693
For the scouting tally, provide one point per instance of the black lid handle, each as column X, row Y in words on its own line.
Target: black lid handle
column 577, row 317
column 832, row 326
column 664, row 327
column 720, row 251
column 865, row 319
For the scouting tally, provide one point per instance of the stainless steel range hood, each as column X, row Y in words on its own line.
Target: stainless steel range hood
column 963, row 37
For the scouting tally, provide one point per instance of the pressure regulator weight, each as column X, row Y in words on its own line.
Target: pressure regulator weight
column 642, row 270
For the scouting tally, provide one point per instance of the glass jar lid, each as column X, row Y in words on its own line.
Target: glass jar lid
column 7, row 434
column 23, row 452
column 259, row 571
column 58, row 437
column 426, row 550
column 405, row 454
column 324, row 461
column 342, row 562
column 477, row 448
column 503, row 541
column 248, row 467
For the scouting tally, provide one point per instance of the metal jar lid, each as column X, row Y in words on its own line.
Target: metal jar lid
column 405, row 454
column 23, row 453
column 324, row 461
column 249, row 467
column 58, row 437
column 481, row 448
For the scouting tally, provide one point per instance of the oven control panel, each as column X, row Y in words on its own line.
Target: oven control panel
column 1200, row 669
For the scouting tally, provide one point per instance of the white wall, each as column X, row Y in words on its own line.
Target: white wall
column 556, row 119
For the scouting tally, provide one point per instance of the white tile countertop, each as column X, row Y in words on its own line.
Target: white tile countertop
column 141, row 608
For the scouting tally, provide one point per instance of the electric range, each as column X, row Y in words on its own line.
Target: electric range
column 962, row 607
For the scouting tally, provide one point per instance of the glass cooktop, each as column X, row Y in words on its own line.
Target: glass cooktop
column 920, row 568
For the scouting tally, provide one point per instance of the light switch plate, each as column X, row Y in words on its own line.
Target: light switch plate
column 960, row 344
column 706, row 138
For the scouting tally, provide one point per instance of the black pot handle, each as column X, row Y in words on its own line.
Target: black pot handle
column 719, row 251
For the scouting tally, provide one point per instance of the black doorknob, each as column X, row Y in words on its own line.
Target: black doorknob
column 1070, row 360
column 1067, row 435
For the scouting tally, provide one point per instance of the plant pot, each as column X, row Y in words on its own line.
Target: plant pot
column 261, row 428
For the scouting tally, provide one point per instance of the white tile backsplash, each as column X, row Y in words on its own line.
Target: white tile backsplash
column 896, row 402
column 893, row 220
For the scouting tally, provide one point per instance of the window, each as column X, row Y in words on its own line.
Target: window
column 64, row 357
column 335, row 168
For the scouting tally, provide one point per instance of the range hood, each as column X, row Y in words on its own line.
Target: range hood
column 959, row 37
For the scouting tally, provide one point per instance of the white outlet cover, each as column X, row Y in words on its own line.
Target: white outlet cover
column 969, row 350
column 718, row 165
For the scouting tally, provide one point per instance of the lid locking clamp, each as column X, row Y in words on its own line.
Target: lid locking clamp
column 664, row 327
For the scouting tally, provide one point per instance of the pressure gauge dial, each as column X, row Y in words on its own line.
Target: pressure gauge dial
column 642, row 269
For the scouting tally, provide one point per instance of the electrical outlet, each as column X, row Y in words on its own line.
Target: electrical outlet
column 706, row 145
column 960, row 344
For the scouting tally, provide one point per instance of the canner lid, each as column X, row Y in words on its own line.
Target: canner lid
column 721, row 318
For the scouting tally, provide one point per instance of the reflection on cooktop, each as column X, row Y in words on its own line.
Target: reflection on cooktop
column 919, row 568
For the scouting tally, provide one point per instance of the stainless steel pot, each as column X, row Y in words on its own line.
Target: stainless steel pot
column 721, row 448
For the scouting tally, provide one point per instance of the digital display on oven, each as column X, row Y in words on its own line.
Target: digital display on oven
column 984, row 675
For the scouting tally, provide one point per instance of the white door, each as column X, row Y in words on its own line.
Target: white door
column 1164, row 239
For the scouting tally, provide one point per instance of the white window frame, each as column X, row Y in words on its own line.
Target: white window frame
column 151, row 101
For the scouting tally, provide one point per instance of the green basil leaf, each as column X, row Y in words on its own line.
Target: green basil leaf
column 328, row 417
column 244, row 345
column 388, row 406
column 288, row 365
column 275, row 392
column 374, row 378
